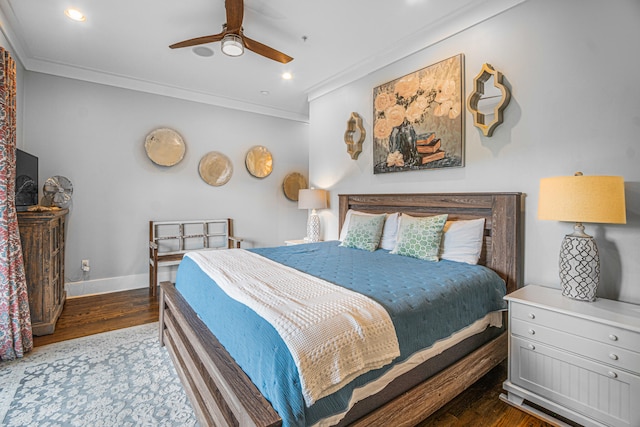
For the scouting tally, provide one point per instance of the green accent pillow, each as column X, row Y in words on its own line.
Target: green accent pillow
column 364, row 232
column 420, row 237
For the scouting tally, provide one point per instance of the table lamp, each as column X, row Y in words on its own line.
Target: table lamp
column 312, row 199
column 579, row 199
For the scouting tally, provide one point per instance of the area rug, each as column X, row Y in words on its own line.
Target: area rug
column 119, row 378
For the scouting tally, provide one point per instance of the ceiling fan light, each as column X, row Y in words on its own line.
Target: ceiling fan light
column 75, row 14
column 232, row 45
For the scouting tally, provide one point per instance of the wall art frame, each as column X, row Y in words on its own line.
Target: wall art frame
column 418, row 119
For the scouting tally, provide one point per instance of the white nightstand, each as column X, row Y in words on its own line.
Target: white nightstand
column 578, row 359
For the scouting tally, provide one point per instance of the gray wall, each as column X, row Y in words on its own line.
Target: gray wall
column 94, row 135
column 573, row 70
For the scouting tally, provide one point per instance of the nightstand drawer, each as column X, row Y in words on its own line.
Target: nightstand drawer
column 605, row 353
column 600, row 392
column 592, row 330
column 578, row 359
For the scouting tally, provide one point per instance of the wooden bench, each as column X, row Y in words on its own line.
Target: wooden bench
column 170, row 240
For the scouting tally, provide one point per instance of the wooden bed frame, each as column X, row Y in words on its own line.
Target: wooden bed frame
column 221, row 393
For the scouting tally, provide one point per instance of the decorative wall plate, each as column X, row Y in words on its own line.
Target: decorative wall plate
column 293, row 183
column 259, row 161
column 165, row 147
column 215, row 168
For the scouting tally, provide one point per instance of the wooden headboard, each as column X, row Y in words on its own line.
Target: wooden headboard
column 502, row 212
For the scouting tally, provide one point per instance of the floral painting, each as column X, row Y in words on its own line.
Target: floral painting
column 418, row 120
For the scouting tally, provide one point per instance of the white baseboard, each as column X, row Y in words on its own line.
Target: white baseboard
column 114, row 284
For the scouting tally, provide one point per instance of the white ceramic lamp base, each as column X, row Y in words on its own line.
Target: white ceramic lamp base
column 579, row 267
column 313, row 227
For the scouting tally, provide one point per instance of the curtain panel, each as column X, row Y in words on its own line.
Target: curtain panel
column 15, row 321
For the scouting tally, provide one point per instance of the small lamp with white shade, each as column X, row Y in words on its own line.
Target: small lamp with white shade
column 312, row 199
column 578, row 198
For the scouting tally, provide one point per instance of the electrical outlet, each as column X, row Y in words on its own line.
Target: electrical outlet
column 85, row 265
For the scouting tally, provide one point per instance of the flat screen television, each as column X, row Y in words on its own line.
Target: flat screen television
column 26, row 180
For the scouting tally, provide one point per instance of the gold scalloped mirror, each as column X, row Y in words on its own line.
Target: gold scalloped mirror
column 488, row 99
column 354, row 128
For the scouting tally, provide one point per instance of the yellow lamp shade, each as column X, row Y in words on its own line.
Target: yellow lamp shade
column 598, row 199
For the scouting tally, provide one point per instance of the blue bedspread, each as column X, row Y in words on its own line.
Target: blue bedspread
column 417, row 294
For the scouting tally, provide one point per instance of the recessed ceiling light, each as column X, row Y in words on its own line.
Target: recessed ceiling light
column 264, row 92
column 287, row 76
column 203, row 51
column 75, row 14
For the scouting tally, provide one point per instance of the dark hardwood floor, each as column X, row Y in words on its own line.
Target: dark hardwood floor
column 478, row 406
column 101, row 313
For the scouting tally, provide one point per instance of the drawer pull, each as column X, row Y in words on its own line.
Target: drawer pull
column 532, row 332
column 532, row 316
column 613, row 337
column 612, row 374
column 531, row 347
column 613, row 356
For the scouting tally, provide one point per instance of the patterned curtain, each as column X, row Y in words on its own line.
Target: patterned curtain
column 15, row 321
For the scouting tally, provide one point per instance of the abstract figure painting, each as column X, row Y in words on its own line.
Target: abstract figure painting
column 418, row 120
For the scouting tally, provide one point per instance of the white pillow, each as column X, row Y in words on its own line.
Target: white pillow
column 389, row 232
column 462, row 241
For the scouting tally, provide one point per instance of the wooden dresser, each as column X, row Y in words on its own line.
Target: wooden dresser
column 42, row 235
column 578, row 359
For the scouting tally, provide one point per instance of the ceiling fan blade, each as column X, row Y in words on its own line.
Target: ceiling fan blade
column 235, row 14
column 198, row 40
column 265, row 50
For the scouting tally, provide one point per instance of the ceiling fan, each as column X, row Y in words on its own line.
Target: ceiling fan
column 233, row 39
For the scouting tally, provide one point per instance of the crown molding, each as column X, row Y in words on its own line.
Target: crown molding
column 456, row 22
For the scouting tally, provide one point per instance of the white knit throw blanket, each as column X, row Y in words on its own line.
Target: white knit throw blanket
column 333, row 334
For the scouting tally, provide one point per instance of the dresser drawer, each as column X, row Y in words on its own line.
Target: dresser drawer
column 602, row 393
column 585, row 328
column 602, row 352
